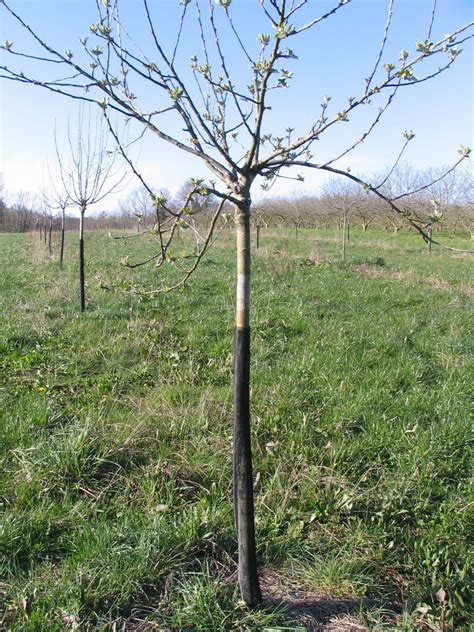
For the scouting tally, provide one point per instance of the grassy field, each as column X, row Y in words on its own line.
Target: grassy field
column 115, row 438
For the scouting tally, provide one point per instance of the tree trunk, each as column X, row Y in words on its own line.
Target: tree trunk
column 81, row 262
column 242, row 453
column 61, row 252
column 258, row 235
column 344, row 219
column 50, row 234
column 430, row 235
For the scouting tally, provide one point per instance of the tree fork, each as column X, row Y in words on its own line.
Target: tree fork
column 242, row 452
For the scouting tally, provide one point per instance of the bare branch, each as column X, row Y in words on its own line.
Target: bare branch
column 384, row 41
column 319, row 19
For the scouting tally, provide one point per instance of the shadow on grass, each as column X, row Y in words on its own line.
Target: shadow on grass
column 313, row 612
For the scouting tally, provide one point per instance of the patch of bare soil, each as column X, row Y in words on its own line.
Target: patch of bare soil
column 314, row 612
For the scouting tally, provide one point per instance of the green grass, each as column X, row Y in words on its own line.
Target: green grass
column 115, row 435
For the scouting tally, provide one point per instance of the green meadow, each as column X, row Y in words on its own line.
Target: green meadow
column 116, row 430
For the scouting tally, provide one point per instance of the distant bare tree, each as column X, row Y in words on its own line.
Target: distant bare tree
column 140, row 204
column 21, row 212
column 59, row 201
column 342, row 196
column 63, row 203
column 365, row 209
column 89, row 175
column 50, row 217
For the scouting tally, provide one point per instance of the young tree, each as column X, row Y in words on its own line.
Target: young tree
column 88, row 178
column 50, row 217
column 209, row 112
column 45, row 226
column 365, row 210
column 49, row 220
column 342, row 196
column 60, row 202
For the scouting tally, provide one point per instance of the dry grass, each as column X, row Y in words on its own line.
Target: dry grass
column 38, row 251
column 412, row 278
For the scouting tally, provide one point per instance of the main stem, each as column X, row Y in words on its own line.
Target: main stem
column 242, row 453
column 344, row 222
column 61, row 253
column 81, row 262
column 50, row 233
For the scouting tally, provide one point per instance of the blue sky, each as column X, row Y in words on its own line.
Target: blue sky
column 333, row 59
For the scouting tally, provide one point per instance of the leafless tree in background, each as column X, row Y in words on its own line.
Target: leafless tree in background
column 59, row 201
column 138, row 208
column 342, row 197
column 88, row 176
column 20, row 209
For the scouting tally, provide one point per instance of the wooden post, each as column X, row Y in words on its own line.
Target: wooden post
column 242, row 452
